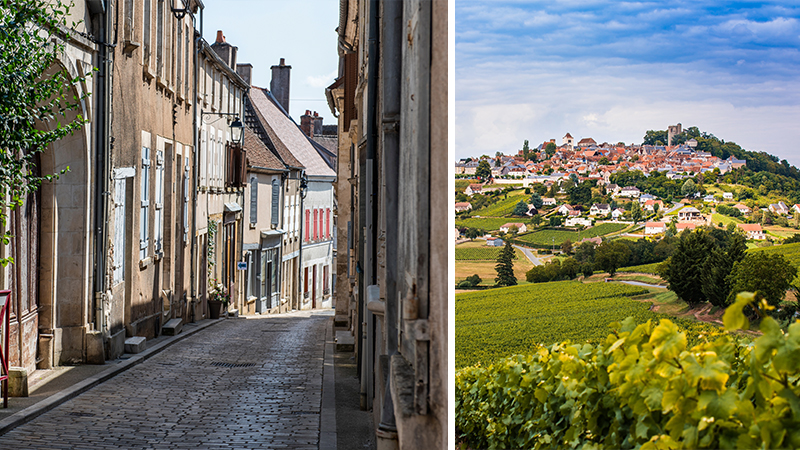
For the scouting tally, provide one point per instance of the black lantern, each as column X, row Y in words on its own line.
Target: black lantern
column 180, row 8
column 237, row 131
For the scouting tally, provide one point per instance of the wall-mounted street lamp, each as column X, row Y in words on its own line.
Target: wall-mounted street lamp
column 181, row 11
column 237, row 128
column 303, row 185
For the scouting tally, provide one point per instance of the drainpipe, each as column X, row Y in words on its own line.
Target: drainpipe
column 195, row 166
column 102, row 150
column 392, row 66
column 370, row 260
column 303, row 193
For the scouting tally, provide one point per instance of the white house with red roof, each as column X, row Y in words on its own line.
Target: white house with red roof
column 521, row 228
column 655, row 227
column 752, row 230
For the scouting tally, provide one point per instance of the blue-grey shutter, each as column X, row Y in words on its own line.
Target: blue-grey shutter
column 276, row 191
column 253, row 200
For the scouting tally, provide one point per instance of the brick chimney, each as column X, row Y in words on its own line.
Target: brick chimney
column 224, row 50
column 280, row 83
column 307, row 123
column 317, row 124
column 246, row 72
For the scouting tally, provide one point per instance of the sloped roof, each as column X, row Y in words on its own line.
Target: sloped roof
column 287, row 135
column 258, row 155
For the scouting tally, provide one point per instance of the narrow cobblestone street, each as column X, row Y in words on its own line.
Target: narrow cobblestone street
column 252, row 383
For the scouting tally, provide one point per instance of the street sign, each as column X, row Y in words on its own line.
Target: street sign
column 241, row 265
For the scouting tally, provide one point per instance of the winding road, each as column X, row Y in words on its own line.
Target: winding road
column 529, row 254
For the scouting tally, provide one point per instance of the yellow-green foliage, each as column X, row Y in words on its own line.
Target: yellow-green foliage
column 789, row 251
column 503, row 207
column 644, row 268
column 490, row 223
column 644, row 386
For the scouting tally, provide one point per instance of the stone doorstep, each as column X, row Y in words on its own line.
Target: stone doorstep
column 172, row 328
column 345, row 342
column 135, row 344
column 17, row 382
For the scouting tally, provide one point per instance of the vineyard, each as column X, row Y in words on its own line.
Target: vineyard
column 503, row 207
column 480, row 253
column 644, row 386
column 489, row 223
column 644, row 268
column 556, row 237
column 494, row 324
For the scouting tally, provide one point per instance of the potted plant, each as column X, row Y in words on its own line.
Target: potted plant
column 218, row 299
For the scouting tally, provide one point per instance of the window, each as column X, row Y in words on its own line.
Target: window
column 179, row 61
column 159, row 203
column 160, row 39
column 253, row 200
column 147, row 33
column 305, row 283
column 144, row 236
column 276, row 192
column 128, row 25
column 328, row 223
column 118, row 261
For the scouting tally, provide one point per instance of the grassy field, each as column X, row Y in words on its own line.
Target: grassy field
column 478, row 251
column 485, row 269
column 490, row 223
column 716, row 218
column 462, row 183
column 556, row 237
column 644, row 268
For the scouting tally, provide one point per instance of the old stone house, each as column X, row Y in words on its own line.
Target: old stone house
column 391, row 97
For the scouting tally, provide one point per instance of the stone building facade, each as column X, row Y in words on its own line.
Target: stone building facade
column 391, row 97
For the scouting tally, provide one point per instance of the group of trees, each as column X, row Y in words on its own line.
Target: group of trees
column 711, row 265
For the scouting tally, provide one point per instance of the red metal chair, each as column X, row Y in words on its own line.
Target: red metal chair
column 4, row 320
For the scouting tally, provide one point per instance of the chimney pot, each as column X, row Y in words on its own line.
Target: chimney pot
column 220, row 37
column 283, row 62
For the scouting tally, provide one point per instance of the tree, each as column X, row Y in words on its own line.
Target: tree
column 717, row 268
column 566, row 247
column 536, row 200
column 30, row 45
column 505, row 267
column 550, row 149
column 584, row 252
column 604, row 161
column 689, row 188
column 684, row 270
column 525, row 150
column 636, row 212
column 520, row 209
column 655, row 137
column 536, row 219
column 609, row 256
column 483, row 170
column 767, row 275
column 580, row 194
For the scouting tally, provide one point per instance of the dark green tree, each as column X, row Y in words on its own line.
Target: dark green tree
column 536, row 200
column 580, row 194
column 525, row 150
column 767, row 275
column 483, row 171
column 685, row 269
column 611, row 255
column 636, row 212
column 550, row 149
column 584, row 252
column 655, row 137
column 505, row 267
column 34, row 90
column 520, row 209
column 718, row 266
column 536, row 219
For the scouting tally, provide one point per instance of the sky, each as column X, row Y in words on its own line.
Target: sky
column 611, row 70
column 267, row 30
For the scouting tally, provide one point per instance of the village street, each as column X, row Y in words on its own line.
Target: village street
column 243, row 383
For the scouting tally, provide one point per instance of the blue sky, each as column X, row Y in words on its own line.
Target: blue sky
column 267, row 30
column 612, row 70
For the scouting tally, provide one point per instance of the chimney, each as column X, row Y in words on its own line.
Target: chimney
column 246, row 72
column 280, row 84
column 307, row 124
column 317, row 124
column 224, row 50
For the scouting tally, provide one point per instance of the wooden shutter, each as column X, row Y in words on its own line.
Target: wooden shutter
column 276, row 191
column 253, row 200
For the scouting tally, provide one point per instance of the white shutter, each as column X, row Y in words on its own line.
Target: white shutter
column 118, row 261
column 144, row 235
column 276, row 190
column 159, row 202
column 186, row 201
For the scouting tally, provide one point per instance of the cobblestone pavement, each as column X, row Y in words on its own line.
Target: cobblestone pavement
column 189, row 397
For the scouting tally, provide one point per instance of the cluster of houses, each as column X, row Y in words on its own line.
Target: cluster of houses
column 600, row 161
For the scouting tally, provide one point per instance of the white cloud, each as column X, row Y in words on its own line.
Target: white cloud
column 321, row 81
